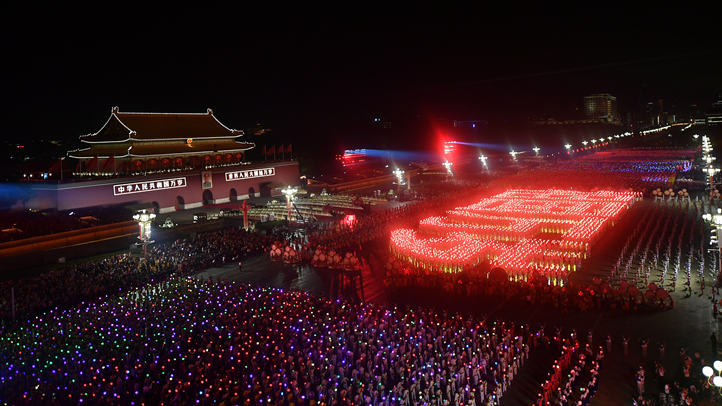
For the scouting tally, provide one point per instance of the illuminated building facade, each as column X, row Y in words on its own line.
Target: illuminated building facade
column 133, row 143
column 602, row 107
column 170, row 161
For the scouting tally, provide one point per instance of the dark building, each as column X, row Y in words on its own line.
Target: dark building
column 714, row 114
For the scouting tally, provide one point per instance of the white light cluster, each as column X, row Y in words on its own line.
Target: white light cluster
column 448, row 166
column 707, row 159
column 655, row 130
column 399, row 175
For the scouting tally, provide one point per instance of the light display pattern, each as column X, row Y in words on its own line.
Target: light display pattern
column 190, row 342
column 519, row 230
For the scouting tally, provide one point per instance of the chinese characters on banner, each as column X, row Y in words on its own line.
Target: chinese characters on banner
column 518, row 230
column 251, row 173
column 147, row 186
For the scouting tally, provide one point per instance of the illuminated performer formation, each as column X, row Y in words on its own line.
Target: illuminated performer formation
column 519, row 231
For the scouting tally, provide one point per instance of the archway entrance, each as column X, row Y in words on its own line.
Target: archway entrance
column 207, row 197
column 266, row 189
column 180, row 203
column 233, row 195
column 156, row 207
column 251, row 192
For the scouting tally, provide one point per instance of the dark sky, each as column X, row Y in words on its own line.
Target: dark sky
column 312, row 74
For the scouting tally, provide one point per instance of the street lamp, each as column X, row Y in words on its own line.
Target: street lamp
column 585, row 143
column 594, row 141
column 61, row 168
column 715, row 220
column 513, row 154
column 144, row 220
column 289, row 192
column 448, row 166
column 536, row 150
column 568, row 147
column 712, row 379
column 399, row 175
column 399, row 178
column 483, row 158
column 711, row 171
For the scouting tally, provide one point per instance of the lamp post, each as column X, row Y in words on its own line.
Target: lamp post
column 536, row 150
column 568, row 147
column 448, row 166
column 399, row 176
column 715, row 220
column 711, row 171
column 289, row 192
column 712, row 379
column 513, row 154
column 399, row 179
column 144, row 220
column 483, row 159
column 245, row 206
column 62, row 158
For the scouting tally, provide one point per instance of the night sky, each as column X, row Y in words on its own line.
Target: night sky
column 317, row 77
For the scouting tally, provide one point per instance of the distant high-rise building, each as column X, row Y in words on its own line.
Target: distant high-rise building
column 714, row 114
column 602, row 107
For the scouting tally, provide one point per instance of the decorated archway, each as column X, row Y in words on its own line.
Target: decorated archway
column 179, row 203
column 207, row 197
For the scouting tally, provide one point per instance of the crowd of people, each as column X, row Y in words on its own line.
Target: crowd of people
column 129, row 330
column 554, row 291
column 659, row 382
column 185, row 341
column 344, row 244
column 73, row 284
column 667, row 244
column 575, row 374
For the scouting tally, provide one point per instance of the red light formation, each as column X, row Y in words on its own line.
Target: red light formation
column 518, row 230
column 350, row 220
column 352, row 158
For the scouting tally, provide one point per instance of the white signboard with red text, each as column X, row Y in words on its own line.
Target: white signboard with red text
column 148, row 186
column 250, row 173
